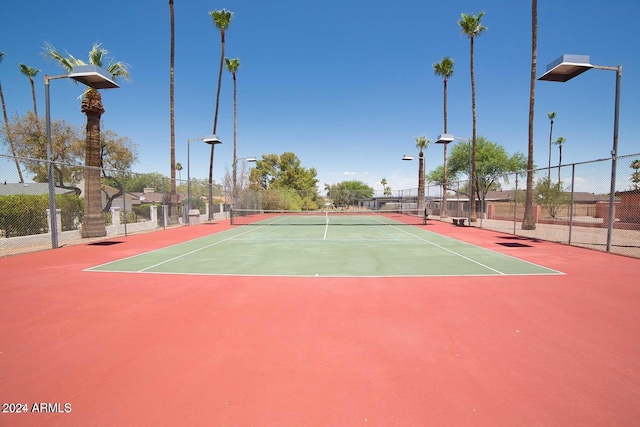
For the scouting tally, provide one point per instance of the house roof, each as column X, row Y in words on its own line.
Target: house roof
column 30, row 188
column 636, row 191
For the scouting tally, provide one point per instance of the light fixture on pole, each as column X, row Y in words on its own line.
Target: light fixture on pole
column 445, row 139
column 89, row 75
column 564, row 69
column 420, row 198
column 211, row 140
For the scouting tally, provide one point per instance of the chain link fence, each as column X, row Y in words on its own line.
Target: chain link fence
column 129, row 203
column 572, row 204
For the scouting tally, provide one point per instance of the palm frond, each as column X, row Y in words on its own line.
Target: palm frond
column 422, row 142
column 471, row 25
column 66, row 62
column 96, row 54
column 444, row 68
column 232, row 64
column 119, row 69
column 28, row 71
column 221, row 19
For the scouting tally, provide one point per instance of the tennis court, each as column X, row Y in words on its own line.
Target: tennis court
column 124, row 348
column 335, row 244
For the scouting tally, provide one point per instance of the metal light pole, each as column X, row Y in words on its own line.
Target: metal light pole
column 446, row 138
column 564, row 69
column 89, row 75
column 210, row 139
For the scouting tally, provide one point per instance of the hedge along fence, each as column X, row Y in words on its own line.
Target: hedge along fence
column 24, row 215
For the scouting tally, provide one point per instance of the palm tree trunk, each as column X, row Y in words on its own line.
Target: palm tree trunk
column 8, row 130
column 443, row 210
column 559, row 161
column 33, row 97
column 173, row 205
column 550, row 139
column 472, row 178
column 93, row 221
column 215, row 125
column 528, row 221
column 421, row 183
column 235, row 158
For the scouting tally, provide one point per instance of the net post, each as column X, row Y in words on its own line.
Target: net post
column 231, row 215
column 424, row 217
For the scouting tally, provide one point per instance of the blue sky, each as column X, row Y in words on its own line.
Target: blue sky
column 345, row 85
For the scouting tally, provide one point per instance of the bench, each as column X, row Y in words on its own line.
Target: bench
column 458, row 221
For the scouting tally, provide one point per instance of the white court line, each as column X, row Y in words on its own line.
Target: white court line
column 449, row 250
column 194, row 251
column 167, row 247
column 480, row 247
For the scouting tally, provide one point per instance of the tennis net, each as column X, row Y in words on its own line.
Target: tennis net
column 328, row 217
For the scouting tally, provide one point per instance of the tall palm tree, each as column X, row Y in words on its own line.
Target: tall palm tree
column 233, row 65
column 528, row 220
column 559, row 143
column 444, row 69
column 421, row 143
column 93, row 221
column 173, row 205
column 31, row 72
column 222, row 20
column 178, row 169
column 551, row 115
column 472, row 27
column 6, row 125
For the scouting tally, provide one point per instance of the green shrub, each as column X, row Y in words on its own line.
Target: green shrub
column 24, row 215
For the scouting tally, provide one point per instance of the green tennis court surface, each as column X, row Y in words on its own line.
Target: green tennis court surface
column 381, row 245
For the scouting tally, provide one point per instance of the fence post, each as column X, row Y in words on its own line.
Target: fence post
column 115, row 217
column 58, row 218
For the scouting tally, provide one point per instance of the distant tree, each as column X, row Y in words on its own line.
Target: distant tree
column 232, row 66
column 493, row 166
column 635, row 176
column 346, row 193
column 551, row 196
column 241, row 185
column 67, row 149
column 137, row 182
column 472, row 27
column 552, row 116
column 31, row 72
column 385, row 188
column 444, row 69
column 179, row 169
column 8, row 136
column 118, row 155
column 421, row 144
column 284, row 172
column 561, row 140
